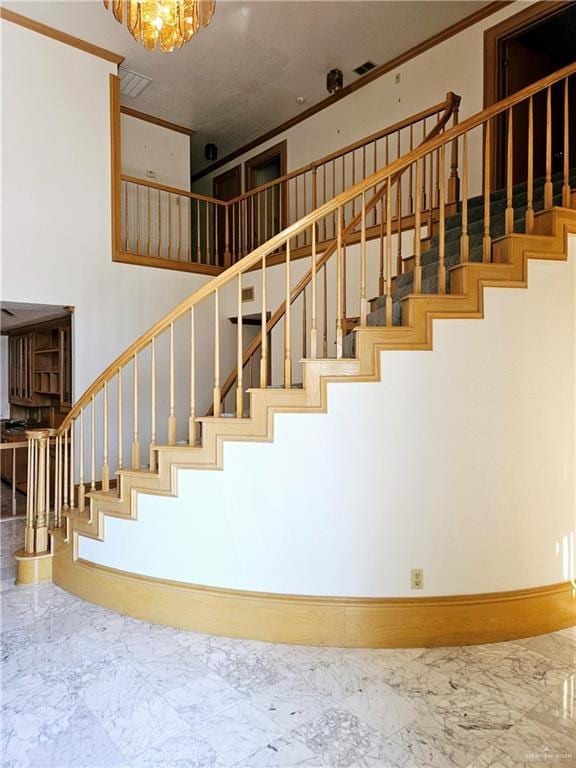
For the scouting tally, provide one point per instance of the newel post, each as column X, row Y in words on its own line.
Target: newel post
column 454, row 180
column 34, row 562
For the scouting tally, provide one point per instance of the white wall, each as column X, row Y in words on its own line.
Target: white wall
column 56, row 243
column 4, row 394
column 149, row 147
column 454, row 65
column 461, row 461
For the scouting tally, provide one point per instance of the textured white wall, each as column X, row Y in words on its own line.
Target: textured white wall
column 56, row 243
column 460, row 461
column 146, row 146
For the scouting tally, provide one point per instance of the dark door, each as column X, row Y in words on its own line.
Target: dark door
column 226, row 186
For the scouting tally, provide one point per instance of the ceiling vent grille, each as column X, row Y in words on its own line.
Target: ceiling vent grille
column 131, row 83
column 366, row 67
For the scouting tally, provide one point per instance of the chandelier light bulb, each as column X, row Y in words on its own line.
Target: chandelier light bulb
column 167, row 23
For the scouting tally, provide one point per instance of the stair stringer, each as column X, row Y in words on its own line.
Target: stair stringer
column 508, row 270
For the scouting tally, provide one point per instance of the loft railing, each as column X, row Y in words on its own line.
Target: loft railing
column 151, row 395
column 160, row 222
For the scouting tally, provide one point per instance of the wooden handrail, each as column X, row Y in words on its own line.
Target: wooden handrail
column 172, row 190
column 279, row 240
column 331, row 248
column 451, row 98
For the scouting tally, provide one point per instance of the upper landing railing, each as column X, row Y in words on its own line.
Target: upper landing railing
column 159, row 223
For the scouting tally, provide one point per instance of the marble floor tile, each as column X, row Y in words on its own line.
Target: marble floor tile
column 533, row 743
column 84, row 686
column 338, row 737
column 380, row 706
column 286, row 752
column 185, row 751
column 238, row 731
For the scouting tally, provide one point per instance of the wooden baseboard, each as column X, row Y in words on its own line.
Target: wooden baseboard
column 334, row 621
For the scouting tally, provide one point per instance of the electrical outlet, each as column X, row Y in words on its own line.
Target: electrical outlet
column 417, row 578
column 397, row 78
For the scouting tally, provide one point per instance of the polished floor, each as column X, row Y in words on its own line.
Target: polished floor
column 85, row 687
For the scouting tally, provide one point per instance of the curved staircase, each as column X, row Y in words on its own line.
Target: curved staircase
column 486, row 241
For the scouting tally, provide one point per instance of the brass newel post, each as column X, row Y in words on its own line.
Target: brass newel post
column 454, row 181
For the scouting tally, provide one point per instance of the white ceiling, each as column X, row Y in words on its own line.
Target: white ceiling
column 241, row 77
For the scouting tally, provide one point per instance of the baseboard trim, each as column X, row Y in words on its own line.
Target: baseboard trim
column 334, row 621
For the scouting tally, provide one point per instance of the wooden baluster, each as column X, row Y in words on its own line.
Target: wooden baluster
column 422, row 191
column 438, row 181
column 189, row 228
column 296, row 206
column 137, row 218
column 388, row 303
column 304, row 324
column 353, row 181
column 207, row 208
column 47, row 491
column 375, row 163
column 464, row 239
column 287, row 323
column 410, row 175
column 72, row 465
column 245, row 226
column 363, row 300
column 169, row 225
column 148, row 222
column 234, row 233
column 487, row 240
column 566, row 192
column 66, row 445
column 314, row 299
column 325, row 313
column 120, row 422
column 30, row 485
column 252, row 222
column 217, row 398
column 227, row 236
column 239, row 355
column 198, row 250
column 264, row 334
column 315, row 196
column 153, row 404
column 265, row 215
column 509, row 214
column 135, row 438
column 417, row 285
column 548, row 190
column 399, row 221
column 159, row 250
column 304, row 205
column 125, row 215
column 105, row 465
column 92, row 444
column 324, row 198
column 339, row 287
column 344, row 285
column 81, row 486
column 381, row 285
column 179, row 206
column 430, row 192
column 454, row 181
column 57, row 483
column 442, row 224
column 171, row 384
column 192, row 411
column 363, row 162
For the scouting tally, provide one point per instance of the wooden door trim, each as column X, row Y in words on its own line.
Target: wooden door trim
column 496, row 35
column 278, row 150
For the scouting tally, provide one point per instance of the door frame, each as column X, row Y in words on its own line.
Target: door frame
column 234, row 172
column 279, row 150
column 494, row 38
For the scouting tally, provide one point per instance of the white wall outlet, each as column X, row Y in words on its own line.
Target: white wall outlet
column 151, row 174
column 397, row 78
column 417, row 578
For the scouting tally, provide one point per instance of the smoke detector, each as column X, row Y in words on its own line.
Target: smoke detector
column 131, row 83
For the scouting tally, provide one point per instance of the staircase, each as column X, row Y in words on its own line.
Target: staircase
column 150, row 397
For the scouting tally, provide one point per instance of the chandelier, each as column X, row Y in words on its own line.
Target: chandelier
column 167, row 23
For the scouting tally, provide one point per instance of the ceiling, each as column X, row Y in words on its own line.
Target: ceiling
column 241, row 77
column 18, row 314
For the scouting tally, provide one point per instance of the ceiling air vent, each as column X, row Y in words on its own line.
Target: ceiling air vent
column 131, row 83
column 366, row 67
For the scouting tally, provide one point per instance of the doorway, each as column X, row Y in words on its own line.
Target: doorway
column 267, row 214
column 226, row 186
column 521, row 50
